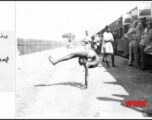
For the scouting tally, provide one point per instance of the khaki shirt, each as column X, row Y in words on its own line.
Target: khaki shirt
column 143, row 37
column 87, row 38
column 138, row 34
column 148, row 39
column 130, row 34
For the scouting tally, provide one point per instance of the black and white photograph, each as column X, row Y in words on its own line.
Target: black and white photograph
column 89, row 59
column 78, row 59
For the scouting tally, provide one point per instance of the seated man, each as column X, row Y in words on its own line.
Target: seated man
column 83, row 55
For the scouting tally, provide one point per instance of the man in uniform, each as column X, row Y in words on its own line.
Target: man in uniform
column 148, row 49
column 143, row 45
column 87, row 40
column 138, row 32
column 131, row 38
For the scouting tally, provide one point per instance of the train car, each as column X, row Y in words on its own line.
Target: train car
column 142, row 13
column 126, row 25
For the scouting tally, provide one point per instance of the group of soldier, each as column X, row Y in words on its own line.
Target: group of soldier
column 140, row 46
column 103, row 44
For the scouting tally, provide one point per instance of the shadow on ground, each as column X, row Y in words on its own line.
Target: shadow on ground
column 137, row 83
column 73, row 84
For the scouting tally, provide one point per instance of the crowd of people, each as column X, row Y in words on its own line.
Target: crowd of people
column 140, row 44
column 140, row 48
column 103, row 43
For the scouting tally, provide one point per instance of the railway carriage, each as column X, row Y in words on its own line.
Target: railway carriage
column 142, row 12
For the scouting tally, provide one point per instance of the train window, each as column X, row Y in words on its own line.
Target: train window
column 126, row 28
column 121, row 32
column 143, row 20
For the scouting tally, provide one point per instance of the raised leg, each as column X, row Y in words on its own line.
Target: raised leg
column 69, row 56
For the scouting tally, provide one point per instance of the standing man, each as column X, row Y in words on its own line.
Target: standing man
column 107, row 47
column 148, row 43
column 138, row 33
column 87, row 40
column 148, row 49
column 131, row 38
column 143, row 45
column 97, row 43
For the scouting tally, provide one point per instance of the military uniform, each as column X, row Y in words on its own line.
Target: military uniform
column 148, row 49
column 148, row 43
column 138, row 33
column 131, row 43
column 142, row 47
column 87, row 41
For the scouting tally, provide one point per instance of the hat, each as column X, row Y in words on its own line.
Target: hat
column 106, row 27
column 86, row 31
column 149, row 20
column 135, row 22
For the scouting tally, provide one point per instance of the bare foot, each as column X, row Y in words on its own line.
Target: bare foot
column 114, row 66
column 51, row 60
column 84, row 87
column 108, row 66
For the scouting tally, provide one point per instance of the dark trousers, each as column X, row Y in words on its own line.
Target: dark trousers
column 145, row 59
column 136, row 53
column 114, row 44
column 131, row 52
column 105, row 55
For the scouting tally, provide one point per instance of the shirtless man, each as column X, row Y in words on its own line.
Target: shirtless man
column 83, row 55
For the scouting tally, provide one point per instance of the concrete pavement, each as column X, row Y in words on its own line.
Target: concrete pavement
column 47, row 91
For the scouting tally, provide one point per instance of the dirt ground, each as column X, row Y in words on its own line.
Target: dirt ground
column 47, row 91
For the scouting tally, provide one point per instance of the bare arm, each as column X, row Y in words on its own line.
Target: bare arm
column 86, row 74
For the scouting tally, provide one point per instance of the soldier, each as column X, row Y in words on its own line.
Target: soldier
column 96, row 43
column 131, row 38
column 148, row 50
column 148, row 43
column 143, row 45
column 107, row 45
column 87, row 40
column 138, row 32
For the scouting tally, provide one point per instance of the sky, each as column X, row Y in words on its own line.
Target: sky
column 49, row 20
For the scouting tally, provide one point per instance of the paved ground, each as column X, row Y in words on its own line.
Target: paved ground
column 47, row 91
